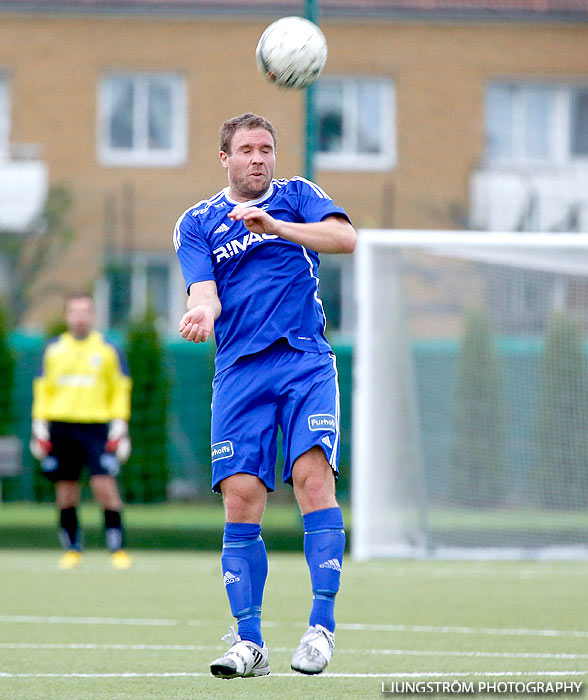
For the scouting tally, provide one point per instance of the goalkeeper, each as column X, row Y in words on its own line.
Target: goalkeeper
column 81, row 407
column 249, row 256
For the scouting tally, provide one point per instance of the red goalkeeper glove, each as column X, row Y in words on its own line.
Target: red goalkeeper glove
column 118, row 441
column 40, row 444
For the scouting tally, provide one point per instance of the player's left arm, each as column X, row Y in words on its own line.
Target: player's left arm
column 119, row 383
column 334, row 234
column 118, row 440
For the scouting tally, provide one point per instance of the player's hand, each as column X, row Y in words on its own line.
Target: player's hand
column 40, row 448
column 256, row 220
column 40, row 444
column 118, row 441
column 197, row 324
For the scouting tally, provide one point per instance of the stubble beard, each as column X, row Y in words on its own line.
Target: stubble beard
column 245, row 190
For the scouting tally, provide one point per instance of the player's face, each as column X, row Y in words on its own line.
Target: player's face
column 79, row 317
column 250, row 164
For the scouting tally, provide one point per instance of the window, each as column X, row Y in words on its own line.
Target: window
column 336, row 293
column 536, row 123
column 4, row 117
column 579, row 123
column 132, row 284
column 355, row 124
column 142, row 119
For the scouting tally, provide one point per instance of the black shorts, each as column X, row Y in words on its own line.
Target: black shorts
column 75, row 446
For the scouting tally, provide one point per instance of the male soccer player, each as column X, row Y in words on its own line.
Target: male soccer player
column 249, row 256
column 81, row 407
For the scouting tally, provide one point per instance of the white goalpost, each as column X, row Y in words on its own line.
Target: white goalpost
column 470, row 395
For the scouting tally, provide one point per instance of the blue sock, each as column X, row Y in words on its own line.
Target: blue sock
column 244, row 562
column 324, row 542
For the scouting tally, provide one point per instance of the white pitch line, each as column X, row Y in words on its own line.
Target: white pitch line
column 57, row 620
column 182, row 674
column 475, row 654
column 355, row 627
column 462, row 630
column 118, row 647
column 470, row 572
column 285, row 650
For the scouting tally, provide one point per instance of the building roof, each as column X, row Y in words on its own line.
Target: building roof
column 567, row 10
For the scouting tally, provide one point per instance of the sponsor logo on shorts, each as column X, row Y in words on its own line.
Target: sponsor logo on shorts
column 110, row 464
column 221, row 450
column 322, row 421
column 49, row 464
column 229, row 578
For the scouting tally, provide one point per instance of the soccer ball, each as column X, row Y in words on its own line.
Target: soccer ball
column 291, row 52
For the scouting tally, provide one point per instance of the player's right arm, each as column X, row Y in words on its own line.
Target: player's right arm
column 40, row 444
column 204, row 307
column 194, row 253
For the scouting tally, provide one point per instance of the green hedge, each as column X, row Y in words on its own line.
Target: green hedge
column 185, row 372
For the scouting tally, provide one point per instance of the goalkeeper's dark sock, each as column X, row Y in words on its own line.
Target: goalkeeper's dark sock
column 244, row 562
column 324, row 543
column 69, row 532
column 113, row 530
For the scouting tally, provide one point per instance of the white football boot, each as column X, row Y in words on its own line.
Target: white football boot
column 314, row 651
column 244, row 659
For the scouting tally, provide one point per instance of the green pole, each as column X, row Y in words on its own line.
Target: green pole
column 310, row 126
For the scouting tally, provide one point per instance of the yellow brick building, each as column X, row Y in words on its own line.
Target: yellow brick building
column 124, row 101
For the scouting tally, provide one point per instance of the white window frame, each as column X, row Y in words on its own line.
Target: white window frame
column 5, row 112
column 559, row 136
column 141, row 155
column 349, row 158
column 138, row 263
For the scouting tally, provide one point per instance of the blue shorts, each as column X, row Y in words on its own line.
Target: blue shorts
column 78, row 445
column 279, row 386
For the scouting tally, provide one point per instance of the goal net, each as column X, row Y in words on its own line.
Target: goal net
column 470, row 413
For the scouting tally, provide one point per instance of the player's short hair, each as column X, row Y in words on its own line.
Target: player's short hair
column 79, row 294
column 244, row 121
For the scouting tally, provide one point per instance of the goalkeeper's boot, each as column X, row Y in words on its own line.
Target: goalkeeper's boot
column 70, row 559
column 314, row 652
column 244, row 659
column 120, row 560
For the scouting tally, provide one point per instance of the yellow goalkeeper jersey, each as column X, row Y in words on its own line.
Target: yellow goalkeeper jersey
column 82, row 381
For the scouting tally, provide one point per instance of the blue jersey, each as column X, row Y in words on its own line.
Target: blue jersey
column 268, row 286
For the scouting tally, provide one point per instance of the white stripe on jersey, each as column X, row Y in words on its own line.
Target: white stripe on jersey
column 207, row 202
column 177, row 241
column 337, row 415
column 316, row 279
column 321, row 193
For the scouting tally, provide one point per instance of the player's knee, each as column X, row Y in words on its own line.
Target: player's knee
column 315, row 492
column 241, row 510
column 67, row 494
column 111, row 503
column 105, row 491
column 244, row 498
column 313, row 481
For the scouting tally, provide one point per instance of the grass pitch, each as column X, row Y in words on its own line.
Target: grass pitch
column 149, row 633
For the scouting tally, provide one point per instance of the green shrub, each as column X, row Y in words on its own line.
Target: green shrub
column 560, row 475
column 7, row 365
column 478, row 468
column 144, row 478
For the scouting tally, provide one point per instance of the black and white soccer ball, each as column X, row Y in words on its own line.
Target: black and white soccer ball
column 291, row 52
